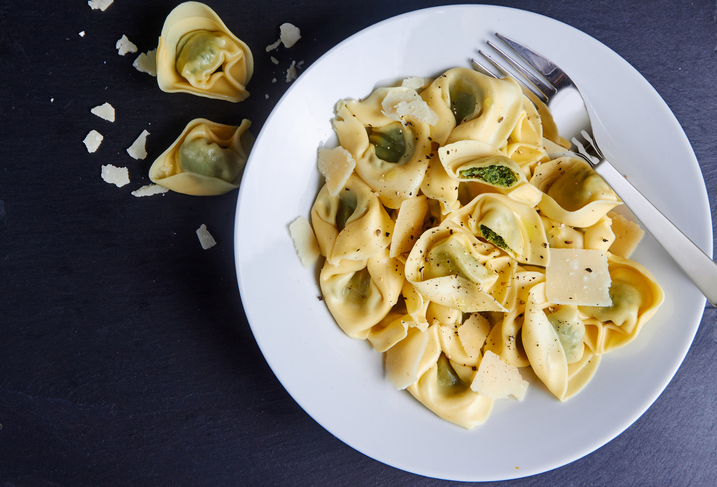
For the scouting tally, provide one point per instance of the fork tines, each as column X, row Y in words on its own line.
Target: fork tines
column 554, row 77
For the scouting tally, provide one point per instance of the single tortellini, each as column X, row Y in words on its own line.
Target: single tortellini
column 442, row 386
column 471, row 105
column 474, row 160
column 574, row 193
column 513, row 227
column 352, row 225
column 391, row 155
column 359, row 294
column 552, row 337
column 198, row 54
column 635, row 296
column 207, row 158
column 450, row 267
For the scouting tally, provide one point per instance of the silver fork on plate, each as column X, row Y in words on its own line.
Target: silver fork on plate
column 558, row 92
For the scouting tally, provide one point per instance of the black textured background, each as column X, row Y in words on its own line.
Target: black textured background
column 125, row 355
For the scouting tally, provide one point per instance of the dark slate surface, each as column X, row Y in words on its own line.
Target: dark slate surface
column 125, row 356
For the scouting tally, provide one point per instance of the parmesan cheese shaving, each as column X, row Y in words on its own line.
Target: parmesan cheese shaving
column 147, row 63
column 305, row 242
column 291, row 72
column 336, row 165
column 93, row 140
column 206, row 240
column 579, row 277
column 400, row 104
column 124, row 46
column 627, row 235
column 119, row 176
column 104, row 111
column 99, row 4
column 137, row 149
column 149, row 190
column 496, row 379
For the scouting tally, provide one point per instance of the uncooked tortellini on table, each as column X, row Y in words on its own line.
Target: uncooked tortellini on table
column 207, row 159
column 198, row 54
column 441, row 211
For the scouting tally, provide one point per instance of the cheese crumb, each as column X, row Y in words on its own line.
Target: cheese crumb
column 147, row 63
column 93, row 140
column 399, row 104
column 289, row 34
column 304, row 241
column 82, row 34
column 124, row 46
column 336, row 165
column 119, row 176
column 274, row 60
column 205, row 238
column 104, row 111
column 137, row 149
column 99, row 4
column 149, row 190
column 496, row 379
column 291, row 72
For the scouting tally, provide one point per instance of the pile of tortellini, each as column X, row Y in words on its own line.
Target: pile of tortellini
column 199, row 55
column 437, row 230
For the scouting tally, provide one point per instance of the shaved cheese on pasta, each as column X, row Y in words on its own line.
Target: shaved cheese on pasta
column 578, row 277
column 336, row 165
column 496, row 379
column 304, row 241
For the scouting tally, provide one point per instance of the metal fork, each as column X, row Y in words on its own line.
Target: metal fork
column 558, row 92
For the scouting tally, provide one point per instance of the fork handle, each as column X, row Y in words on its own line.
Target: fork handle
column 698, row 266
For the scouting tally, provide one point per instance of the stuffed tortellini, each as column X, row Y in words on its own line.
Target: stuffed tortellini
column 635, row 296
column 513, row 227
column 450, row 267
column 207, row 159
column 574, row 193
column 391, row 155
column 471, row 105
column 198, row 54
column 359, row 294
column 352, row 225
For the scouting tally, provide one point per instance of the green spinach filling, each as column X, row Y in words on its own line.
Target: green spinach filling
column 493, row 237
column 496, row 175
column 389, row 142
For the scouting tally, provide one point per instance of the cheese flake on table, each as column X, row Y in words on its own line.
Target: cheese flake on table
column 205, row 238
column 93, row 140
column 124, row 46
column 99, row 4
column 336, row 165
column 496, row 379
column 104, row 111
column 579, row 277
column 291, row 72
column 289, row 34
column 149, row 190
column 147, row 63
column 137, row 149
column 307, row 248
column 119, row 176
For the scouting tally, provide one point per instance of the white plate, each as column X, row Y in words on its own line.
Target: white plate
column 339, row 381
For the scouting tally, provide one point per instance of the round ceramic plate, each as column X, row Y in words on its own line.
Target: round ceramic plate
column 340, row 381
